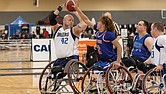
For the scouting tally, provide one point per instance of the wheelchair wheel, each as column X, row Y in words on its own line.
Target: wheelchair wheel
column 48, row 82
column 118, row 80
column 93, row 82
column 75, row 72
column 153, row 82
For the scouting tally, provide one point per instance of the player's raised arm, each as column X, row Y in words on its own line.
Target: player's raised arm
column 52, row 17
column 82, row 15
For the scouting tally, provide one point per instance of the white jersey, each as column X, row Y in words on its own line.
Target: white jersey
column 159, row 50
column 65, row 43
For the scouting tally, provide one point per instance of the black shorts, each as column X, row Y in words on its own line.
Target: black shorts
column 137, row 63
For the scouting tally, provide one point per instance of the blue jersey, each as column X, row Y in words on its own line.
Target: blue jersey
column 105, row 46
column 139, row 49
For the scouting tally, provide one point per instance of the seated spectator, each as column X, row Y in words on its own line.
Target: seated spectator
column 45, row 33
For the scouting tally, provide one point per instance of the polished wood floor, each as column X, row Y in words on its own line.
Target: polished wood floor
column 10, row 62
column 14, row 64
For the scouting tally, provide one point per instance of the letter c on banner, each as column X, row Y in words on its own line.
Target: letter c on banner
column 41, row 48
column 36, row 48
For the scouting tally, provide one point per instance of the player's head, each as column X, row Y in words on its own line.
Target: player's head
column 106, row 23
column 142, row 26
column 157, row 28
column 108, row 14
column 68, row 20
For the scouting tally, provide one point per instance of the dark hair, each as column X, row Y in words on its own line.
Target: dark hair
column 146, row 24
column 158, row 25
column 109, row 25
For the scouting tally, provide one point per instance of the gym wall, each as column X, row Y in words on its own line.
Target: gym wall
column 123, row 11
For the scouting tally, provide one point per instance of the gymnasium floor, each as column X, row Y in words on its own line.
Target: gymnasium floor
column 10, row 62
column 16, row 71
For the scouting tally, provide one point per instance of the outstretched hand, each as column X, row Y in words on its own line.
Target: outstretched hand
column 76, row 4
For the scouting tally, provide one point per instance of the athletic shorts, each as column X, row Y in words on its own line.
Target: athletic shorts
column 137, row 63
column 104, row 64
column 64, row 61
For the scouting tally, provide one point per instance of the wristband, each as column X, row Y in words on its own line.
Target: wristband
column 59, row 8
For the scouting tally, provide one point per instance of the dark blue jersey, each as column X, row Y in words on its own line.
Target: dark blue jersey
column 139, row 48
column 104, row 44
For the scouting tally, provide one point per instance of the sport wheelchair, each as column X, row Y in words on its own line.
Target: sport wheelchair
column 56, row 79
column 116, row 79
column 99, row 81
column 154, row 82
column 137, row 69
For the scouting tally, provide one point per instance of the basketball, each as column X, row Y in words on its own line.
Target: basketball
column 69, row 5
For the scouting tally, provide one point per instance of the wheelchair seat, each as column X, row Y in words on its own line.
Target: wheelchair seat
column 91, row 56
column 58, row 71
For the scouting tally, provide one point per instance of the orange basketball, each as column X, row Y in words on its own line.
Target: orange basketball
column 69, row 5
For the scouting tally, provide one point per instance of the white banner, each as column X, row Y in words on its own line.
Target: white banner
column 42, row 50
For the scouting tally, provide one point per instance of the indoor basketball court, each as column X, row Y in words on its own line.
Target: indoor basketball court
column 26, row 55
column 21, row 66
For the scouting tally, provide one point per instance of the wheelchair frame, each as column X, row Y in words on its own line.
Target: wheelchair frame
column 104, row 82
column 154, row 82
column 49, row 83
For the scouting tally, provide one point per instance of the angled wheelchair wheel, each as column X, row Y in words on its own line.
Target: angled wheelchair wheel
column 46, row 80
column 153, row 82
column 49, row 82
column 118, row 80
column 93, row 81
column 75, row 72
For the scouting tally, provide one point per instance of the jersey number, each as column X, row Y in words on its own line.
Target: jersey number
column 98, row 47
column 152, row 54
column 64, row 40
